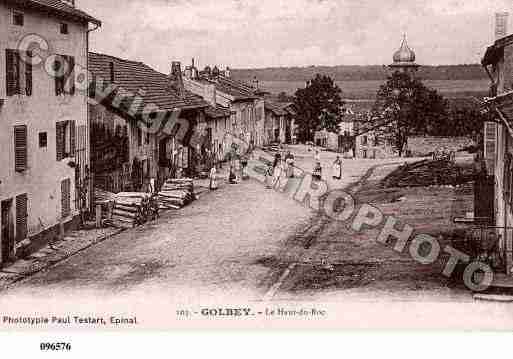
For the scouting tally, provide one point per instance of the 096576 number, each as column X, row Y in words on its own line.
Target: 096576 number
column 55, row 346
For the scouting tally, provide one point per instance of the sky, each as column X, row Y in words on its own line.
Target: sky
column 272, row 33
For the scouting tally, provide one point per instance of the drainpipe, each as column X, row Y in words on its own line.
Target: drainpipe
column 90, row 188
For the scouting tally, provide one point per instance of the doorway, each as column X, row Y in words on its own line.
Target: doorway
column 7, row 230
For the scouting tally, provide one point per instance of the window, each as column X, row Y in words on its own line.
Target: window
column 18, row 72
column 43, row 139
column 20, row 148
column 65, row 198
column 65, row 139
column 147, row 136
column 21, row 217
column 18, row 18
column 364, row 140
column 64, row 75
column 64, row 28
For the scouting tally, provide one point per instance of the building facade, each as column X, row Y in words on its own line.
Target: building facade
column 132, row 124
column 498, row 142
column 243, row 102
column 44, row 179
column 279, row 122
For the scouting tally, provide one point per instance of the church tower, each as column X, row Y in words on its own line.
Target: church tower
column 404, row 59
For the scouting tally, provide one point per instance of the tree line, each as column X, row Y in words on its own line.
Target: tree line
column 358, row 73
column 404, row 107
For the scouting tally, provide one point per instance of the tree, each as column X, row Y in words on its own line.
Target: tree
column 318, row 107
column 406, row 107
column 284, row 97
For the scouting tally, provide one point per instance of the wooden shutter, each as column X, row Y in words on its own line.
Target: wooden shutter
column 21, row 217
column 12, row 64
column 28, row 74
column 72, row 138
column 70, row 60
column 65, row 198
column 490, row 146
column 20, row 148
column 60, row 139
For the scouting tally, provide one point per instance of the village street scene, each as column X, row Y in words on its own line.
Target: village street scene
column 221, row 183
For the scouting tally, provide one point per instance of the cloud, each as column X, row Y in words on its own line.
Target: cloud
column 260, row 33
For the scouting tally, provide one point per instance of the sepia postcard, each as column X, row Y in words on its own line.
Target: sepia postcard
column 300, row 164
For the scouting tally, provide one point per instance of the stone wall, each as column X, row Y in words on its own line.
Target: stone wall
column 424, row 146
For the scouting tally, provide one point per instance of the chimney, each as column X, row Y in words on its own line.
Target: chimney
column 227, row 72
column 70, row 2
column 176, row 77
column 501, row 24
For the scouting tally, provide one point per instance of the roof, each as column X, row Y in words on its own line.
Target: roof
column 503, row 103
column 217, row 112
column 237, row 89
column 279, row 109
column 494, row 52
column 153, row 87
column 58, row 7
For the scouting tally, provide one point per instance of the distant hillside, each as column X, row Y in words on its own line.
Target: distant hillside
column 358, row 73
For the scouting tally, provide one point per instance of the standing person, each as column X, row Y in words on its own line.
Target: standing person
column 277, row 173
column 268, row 177
column 277, row 159
column 213, row 178
column 337, row 169
column 244, row 162
column 289, row 160
column 317, row 156
column 317, row 172
column 232, row 179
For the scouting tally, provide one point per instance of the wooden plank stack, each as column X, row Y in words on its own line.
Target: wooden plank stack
column 176, row 193
column 131, row 209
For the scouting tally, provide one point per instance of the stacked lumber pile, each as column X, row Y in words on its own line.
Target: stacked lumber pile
column 131, row 209
column 176, row 193
column 429, row 173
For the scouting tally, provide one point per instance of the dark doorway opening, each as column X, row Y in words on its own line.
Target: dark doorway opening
column 7, row 230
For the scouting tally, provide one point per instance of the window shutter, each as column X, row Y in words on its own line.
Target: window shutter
column 60, row 140
column 28, row 74
column 21, row 217
column 65, row 198
column 72, row 138
column 490, row 146
column 12, row 64
column 20, row 148
column 71, row 75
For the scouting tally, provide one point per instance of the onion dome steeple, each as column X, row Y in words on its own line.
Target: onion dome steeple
column 404, row 58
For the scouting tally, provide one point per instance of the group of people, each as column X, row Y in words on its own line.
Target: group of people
column 233, row 178
column 281, row 167
column 336, row 167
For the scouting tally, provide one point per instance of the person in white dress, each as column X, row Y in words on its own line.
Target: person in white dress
column 213, row 178
column 337, row 169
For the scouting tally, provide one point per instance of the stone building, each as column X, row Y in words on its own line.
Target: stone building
column 243, row 102
column 498, row 143
column 133, row 123
column 279, row 122
column 44, row 179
